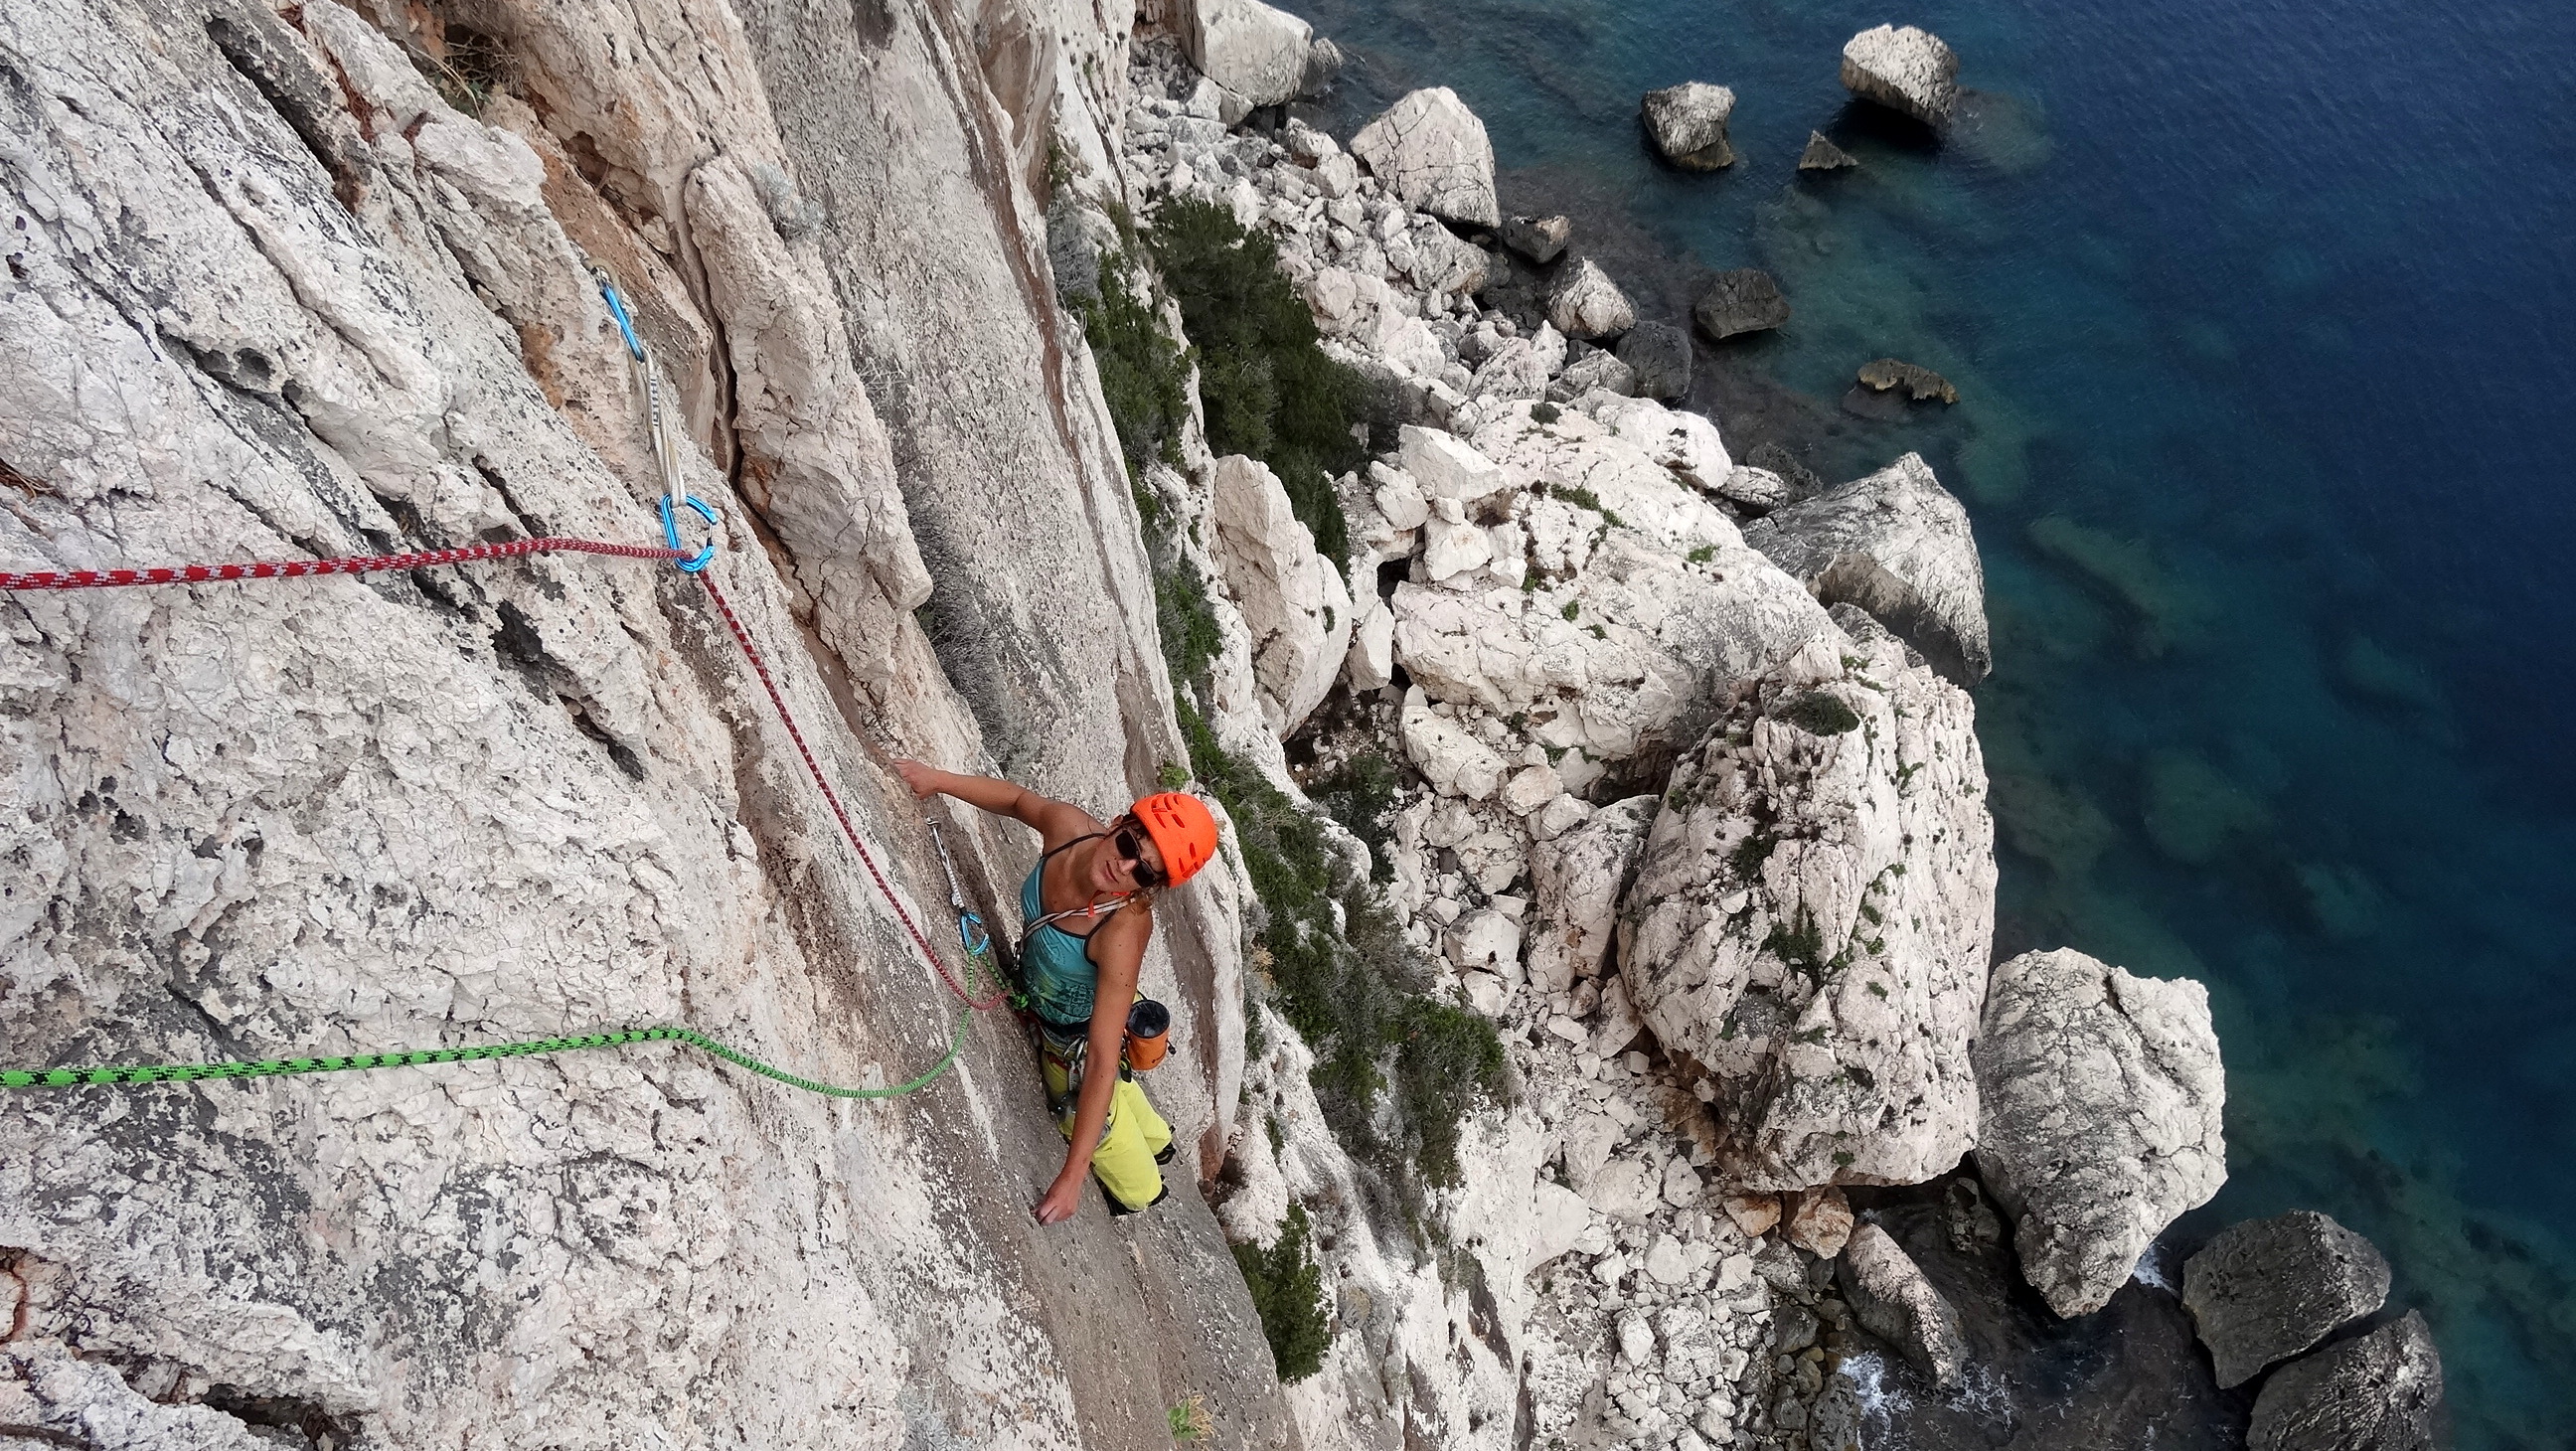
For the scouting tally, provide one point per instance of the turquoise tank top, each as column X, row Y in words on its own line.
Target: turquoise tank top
column 1055, row 965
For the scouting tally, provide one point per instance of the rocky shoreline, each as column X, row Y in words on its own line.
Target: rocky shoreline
column 1692, row 810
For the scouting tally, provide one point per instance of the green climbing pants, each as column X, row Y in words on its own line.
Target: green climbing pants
column 1128, row 1162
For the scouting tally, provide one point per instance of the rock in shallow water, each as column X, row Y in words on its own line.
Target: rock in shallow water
column 1660, row 356
column 1688, row 123
column 2264, row 1290
column 2100, row 1120
column 1904, row 69
column 1894, row 1302
column 1920, row 383
column 2378, row 1392
column 1742, row 301
column 1540, row 239
column 1898, row 545
column 1823, row 155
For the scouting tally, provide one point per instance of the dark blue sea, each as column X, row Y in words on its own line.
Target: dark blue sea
column 2261, row 319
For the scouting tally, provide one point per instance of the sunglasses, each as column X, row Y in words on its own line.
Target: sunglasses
column 1131, row 850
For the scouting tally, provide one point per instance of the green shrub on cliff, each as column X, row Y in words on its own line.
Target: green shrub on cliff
column 1269, row 390
column 1143, row 375
column 1288, row 1291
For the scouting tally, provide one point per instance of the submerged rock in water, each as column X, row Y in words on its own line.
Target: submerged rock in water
column 2267, row 1289
column 1922, row 384
column 1688, row 123
column 1898, row 545
column 1823, row 155
column 2378, row 1392
column 1745, row 300
column 1904, row 69
column 1791, row 470
column 2101, row 1095
column 1894, row 1302
column 1586, row 304
column 1431, row 151
column 1660, row 355
column 1540, row 239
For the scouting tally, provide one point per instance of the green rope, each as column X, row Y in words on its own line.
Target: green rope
column 280, row 1067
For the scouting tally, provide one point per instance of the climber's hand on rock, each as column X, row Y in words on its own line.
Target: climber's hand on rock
column 1063, row 1197
column 924, row 780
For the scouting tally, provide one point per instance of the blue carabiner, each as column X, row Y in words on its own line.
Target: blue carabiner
column 972, row 932
column 671, row 531
column 617, row 310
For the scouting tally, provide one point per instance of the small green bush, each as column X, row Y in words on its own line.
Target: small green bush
column 1144, row 376
column 1360, row 796
column 1820, row 714
column 1288, row 1292
column 1269, row 390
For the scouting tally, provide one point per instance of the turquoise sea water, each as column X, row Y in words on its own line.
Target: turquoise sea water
column 2260, row 319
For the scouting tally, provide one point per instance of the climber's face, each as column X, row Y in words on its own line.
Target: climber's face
column 1128, row 860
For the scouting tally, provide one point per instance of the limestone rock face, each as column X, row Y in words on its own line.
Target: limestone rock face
column 1688, row 123
column 1898, row 545
column 2264, row 1290
column 1904, row 69
column 1893, row 1301
column 1576, row 880
column 1660, row 355
column 1596, row 371
column 1745, row 300
column 1430, row 150
column 1586, row 304
column 1811, row 919
column 1293, row 600
column 273, row 297
column 2376, row 1392
column 1261, row 53
column 1624, row 645
column 2100, row 1119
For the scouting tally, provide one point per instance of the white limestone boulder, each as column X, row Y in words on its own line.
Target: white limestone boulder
column 1897, row 544
column 1628, row 628
column 1688, row 124
column 1259, row 52
column 1447, row 754
column 1584, row 303
column 1812, row 915
column 1904, row 69
column 2099, row 1122
column 1892, row 1300
column 1575, row 881
column 1293, row 600
column 1680, row 440
column 1432, row 152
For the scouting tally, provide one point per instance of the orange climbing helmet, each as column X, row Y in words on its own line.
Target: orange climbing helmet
column 1182, row 829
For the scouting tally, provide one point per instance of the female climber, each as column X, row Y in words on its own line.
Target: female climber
column 1089, row 909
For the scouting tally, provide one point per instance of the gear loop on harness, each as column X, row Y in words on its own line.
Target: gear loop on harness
column 671, row 531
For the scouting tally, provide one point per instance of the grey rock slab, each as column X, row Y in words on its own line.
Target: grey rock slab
column 1688, row 124
column 1540, row 239
column 1745, row 300
column 1431, row 151
column 1595, row 371
column 1575, row 882
column 1259, row 52
column 2101, row 1119
column 1659, row 354
column 2264, row 1290
column 1893, row 1301
column 1898, row 545
column 1905, row 69
column 1823, row 155
column 1811, row 919
column 2376, row 1392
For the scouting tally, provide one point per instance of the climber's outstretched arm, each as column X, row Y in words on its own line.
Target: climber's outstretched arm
column 1055, row 820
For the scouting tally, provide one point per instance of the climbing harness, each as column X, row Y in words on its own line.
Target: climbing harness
column 671, row 504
